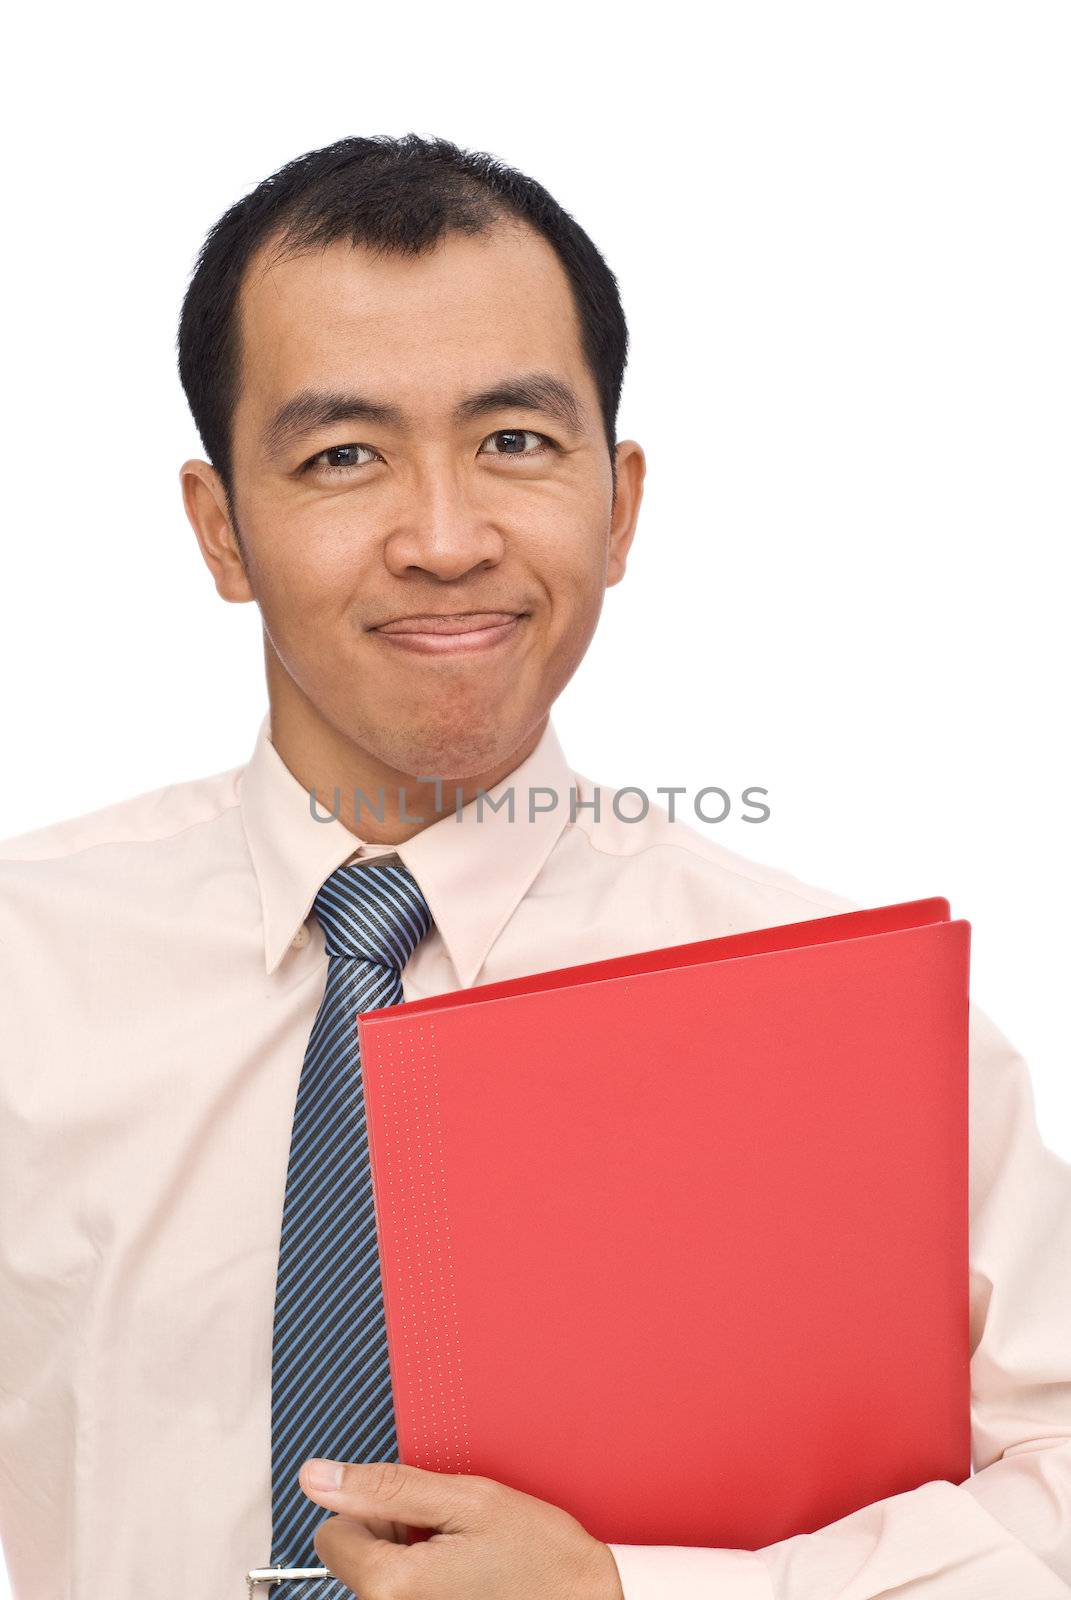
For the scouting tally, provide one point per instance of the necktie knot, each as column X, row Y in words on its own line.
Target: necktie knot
column 374, row 911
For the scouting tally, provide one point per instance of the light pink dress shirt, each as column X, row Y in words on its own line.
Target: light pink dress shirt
column 161, row 973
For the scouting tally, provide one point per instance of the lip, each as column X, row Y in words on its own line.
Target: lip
column 459, row 634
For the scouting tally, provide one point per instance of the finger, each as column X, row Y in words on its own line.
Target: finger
column 351, row 1550
column 392, row 1489
column 390, row 1532
column 382, row 1527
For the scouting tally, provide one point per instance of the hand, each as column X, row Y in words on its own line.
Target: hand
column 491, row 1542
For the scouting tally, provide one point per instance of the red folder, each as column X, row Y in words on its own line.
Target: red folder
column 678, row 1241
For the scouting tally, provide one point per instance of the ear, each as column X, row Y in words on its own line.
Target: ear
column 205, row 500
column 631, row 470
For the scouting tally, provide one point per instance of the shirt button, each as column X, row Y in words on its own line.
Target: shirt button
column 301, row 938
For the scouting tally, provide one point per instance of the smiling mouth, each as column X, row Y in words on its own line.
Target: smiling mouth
column 453, row 622
column 459, row 633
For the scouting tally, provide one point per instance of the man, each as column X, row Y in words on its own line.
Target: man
column 404, row 361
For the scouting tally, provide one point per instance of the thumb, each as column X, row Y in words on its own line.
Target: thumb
column 392, row 1490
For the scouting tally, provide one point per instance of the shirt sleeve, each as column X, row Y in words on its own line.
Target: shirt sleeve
column 1006, row 1530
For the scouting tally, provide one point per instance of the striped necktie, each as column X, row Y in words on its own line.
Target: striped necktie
column 331, row 1393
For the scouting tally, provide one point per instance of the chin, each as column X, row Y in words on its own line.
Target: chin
column 451, row 753
column 449, row 761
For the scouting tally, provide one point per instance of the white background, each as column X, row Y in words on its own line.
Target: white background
column 844, row 246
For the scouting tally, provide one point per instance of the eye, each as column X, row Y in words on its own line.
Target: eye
column 338, row 459
column 514, row 441
column 341, row 460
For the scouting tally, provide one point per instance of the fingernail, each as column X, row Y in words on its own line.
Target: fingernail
column 323, row 1474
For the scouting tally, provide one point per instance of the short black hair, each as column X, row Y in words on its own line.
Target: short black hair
column 390, row 194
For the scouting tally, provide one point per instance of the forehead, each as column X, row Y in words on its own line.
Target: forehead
column 416, row 329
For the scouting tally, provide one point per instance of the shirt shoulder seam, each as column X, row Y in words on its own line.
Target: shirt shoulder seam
column 118, row 839
column 721, row 866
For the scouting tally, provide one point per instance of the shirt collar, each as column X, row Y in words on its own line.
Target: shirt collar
column 473, row 866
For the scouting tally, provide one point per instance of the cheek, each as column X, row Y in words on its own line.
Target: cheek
column 574, row 572
column 294, row 601
column 576, row 592
column 308, row 572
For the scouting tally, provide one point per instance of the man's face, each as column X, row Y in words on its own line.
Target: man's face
column 492, row 517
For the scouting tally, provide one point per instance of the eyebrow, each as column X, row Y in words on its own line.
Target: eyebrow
column 312, row 409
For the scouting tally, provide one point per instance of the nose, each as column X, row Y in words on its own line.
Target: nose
column 440, row 529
